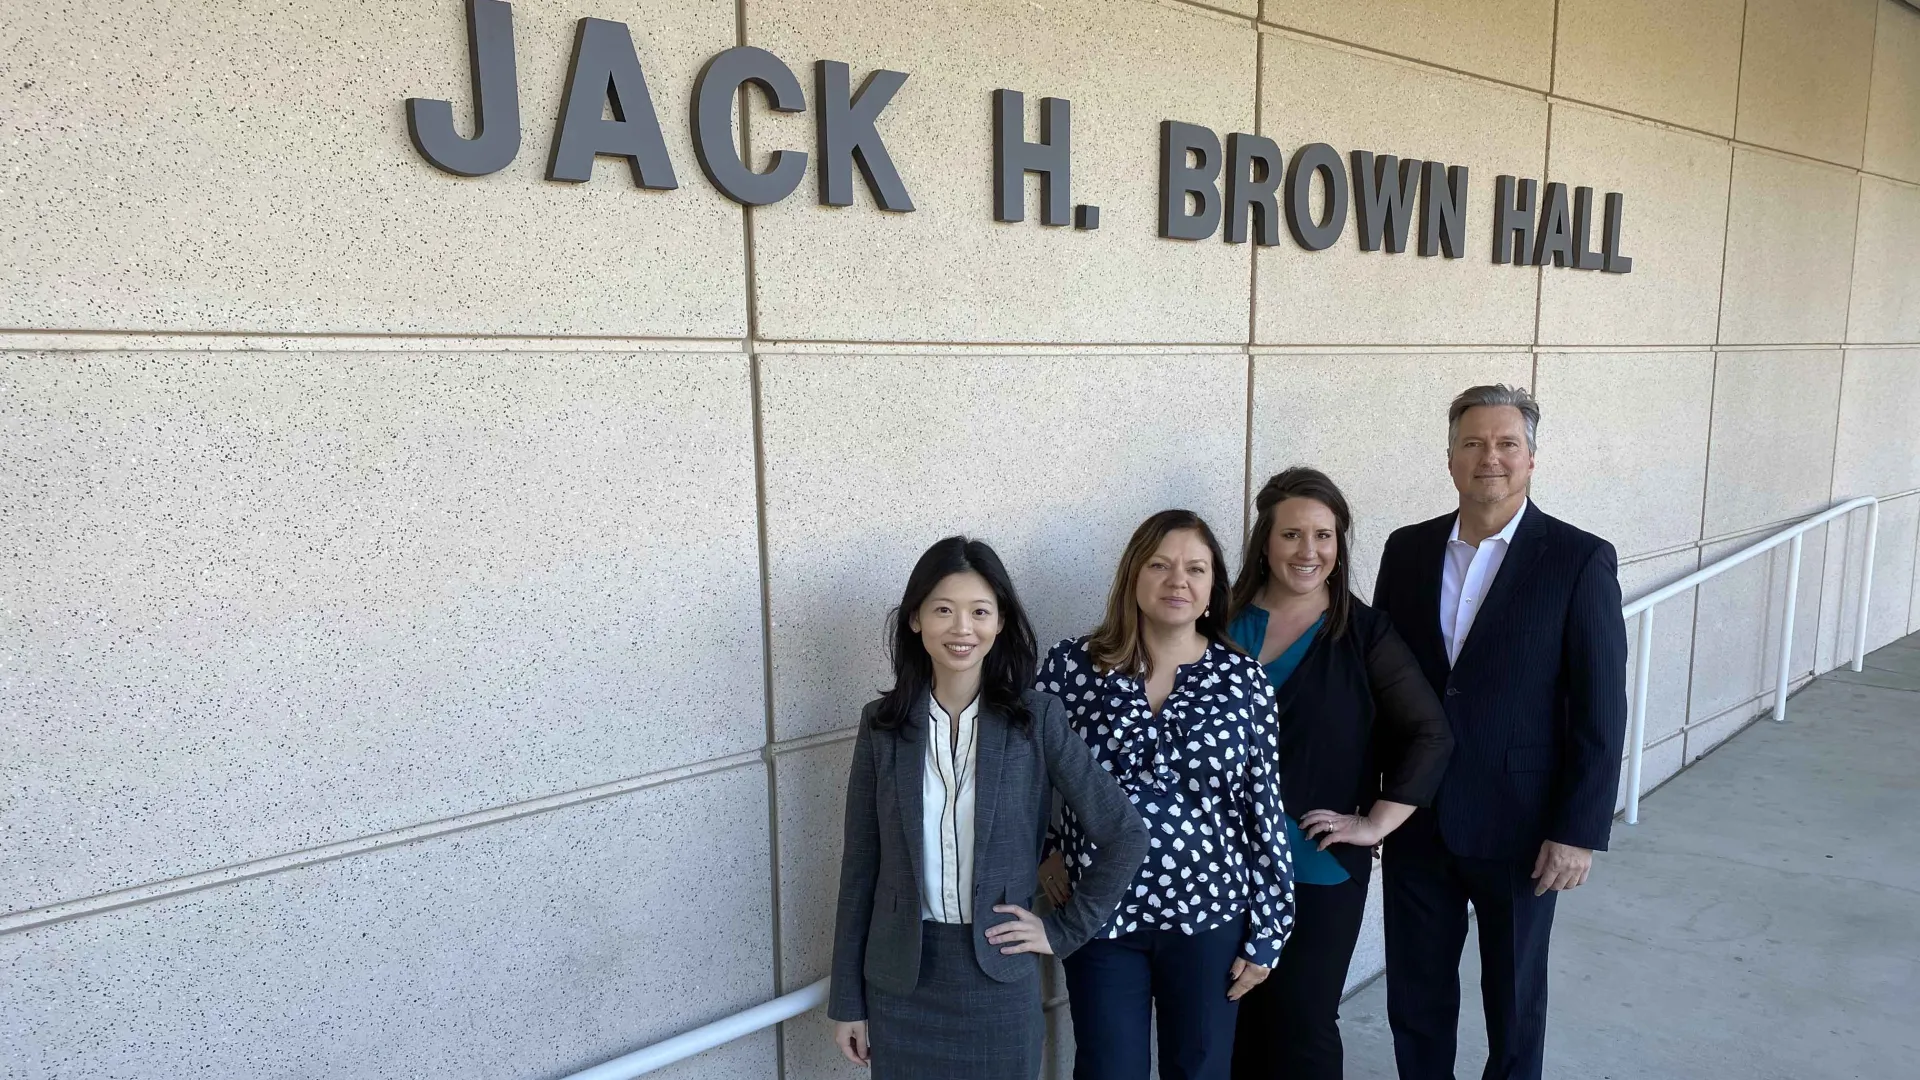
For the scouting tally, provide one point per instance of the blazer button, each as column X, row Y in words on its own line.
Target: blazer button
column 1453, row 691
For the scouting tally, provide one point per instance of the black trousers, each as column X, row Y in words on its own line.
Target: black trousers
column 1290, row 1024
column 1427, row 889
column 1114, row 985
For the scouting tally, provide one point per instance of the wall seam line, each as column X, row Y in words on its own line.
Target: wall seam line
column 132, row 896
column 751, row 299
column 1726, row 222
column 1253, row 298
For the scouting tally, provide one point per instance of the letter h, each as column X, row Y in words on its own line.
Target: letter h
column 1014, row 157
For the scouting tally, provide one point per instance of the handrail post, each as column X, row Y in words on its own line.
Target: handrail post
column 1784, row 677
column 1642, row 664
column 1866, row 590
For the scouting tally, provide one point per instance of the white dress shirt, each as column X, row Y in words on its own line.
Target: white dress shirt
column 946, row 820
column 1465, row 578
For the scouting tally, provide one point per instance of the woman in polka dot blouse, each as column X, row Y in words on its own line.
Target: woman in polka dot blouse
column 1185, row 722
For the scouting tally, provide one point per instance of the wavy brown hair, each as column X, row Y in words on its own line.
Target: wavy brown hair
column 1299, row 482
column 1116, row 644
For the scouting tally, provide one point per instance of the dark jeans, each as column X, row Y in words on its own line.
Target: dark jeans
column 1427, row 889
column 1114, row 984
column 1290, row 1024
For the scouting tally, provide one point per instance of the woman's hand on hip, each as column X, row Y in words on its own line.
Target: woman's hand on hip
column 851, row 1037
column 1024, row 934
column 1053, row 879
column 1331, row 827
column 1245, row 975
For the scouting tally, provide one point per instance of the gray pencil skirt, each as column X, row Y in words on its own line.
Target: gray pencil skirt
column 957, row 1024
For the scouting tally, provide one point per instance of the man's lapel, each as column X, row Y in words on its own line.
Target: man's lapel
column 1529, row 543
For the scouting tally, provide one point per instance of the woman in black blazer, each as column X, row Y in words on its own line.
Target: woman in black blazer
column 935, row 975
column 1363, row 741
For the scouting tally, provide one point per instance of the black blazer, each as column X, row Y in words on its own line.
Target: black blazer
column 1358, row 722
column 1538, row 700
column 876, row 936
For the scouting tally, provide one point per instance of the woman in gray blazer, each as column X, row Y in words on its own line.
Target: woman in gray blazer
column 935, row 967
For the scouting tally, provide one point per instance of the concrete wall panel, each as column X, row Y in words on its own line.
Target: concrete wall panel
column 1893, row 107
column 1509, row 40
column 1675, row 184
column 1888, row 608
column 1885, row 302
column 534, row 947
column 1674, row 62
column 1624, row 444
column 1773, row 423
column 1308, row 409
column 1343, row 295
column 1789, row 251
column 948, row 271
column 271, row 600
column 1668, row 678
column 811, row 790
column 1737, row 626
column 1054, row 459
column 1804, row 76
column 190, row 166
column 1878, row 450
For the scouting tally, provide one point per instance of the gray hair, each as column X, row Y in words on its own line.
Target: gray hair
column 1498, row 394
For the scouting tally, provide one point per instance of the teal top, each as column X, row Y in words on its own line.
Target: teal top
column 1311, row 866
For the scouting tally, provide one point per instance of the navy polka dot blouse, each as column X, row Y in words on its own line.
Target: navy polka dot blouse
column 1205, row 776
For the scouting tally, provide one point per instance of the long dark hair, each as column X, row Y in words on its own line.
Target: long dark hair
column 1299, row 482
column 1008, row 669
column 1117, row 644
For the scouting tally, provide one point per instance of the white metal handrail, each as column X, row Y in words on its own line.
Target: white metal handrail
column 788, row 1006
column 721, row 1031
column 1643, row 607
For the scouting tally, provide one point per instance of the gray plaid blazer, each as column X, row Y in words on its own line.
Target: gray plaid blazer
column 877, row 931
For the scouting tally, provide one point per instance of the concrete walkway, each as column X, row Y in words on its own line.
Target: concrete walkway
column 1762, row 922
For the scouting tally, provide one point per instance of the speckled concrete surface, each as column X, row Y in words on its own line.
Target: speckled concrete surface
column 246, row 166
column 1052, row 459
column 266, row 601
column 948, row 271
column 1894, row 112
column 1802, row 86
column 1675, row 183
column 1886, row 267
column 1671, row 62
column 1509, row 40
column 1644, row 415
column 1344, row 295
column 1789, row 258
column 526, row 949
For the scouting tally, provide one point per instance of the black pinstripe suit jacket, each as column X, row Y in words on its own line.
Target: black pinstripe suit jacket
column 1537, row 701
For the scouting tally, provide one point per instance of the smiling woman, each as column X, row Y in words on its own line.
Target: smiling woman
column 1185, row 721
column 953, row 775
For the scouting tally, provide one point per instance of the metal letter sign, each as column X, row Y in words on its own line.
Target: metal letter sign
column 1014, row 157
column 496, row 101
column 1181, row 176
column 713, row 96
column 1323, row 159
column 847, row 135
column 605, row 74
column 1384, row 198
column 1253, row 175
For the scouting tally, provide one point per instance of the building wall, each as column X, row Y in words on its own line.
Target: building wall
column 435, row 608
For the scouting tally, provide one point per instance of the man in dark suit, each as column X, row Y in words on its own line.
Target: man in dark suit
column 1515, row 619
